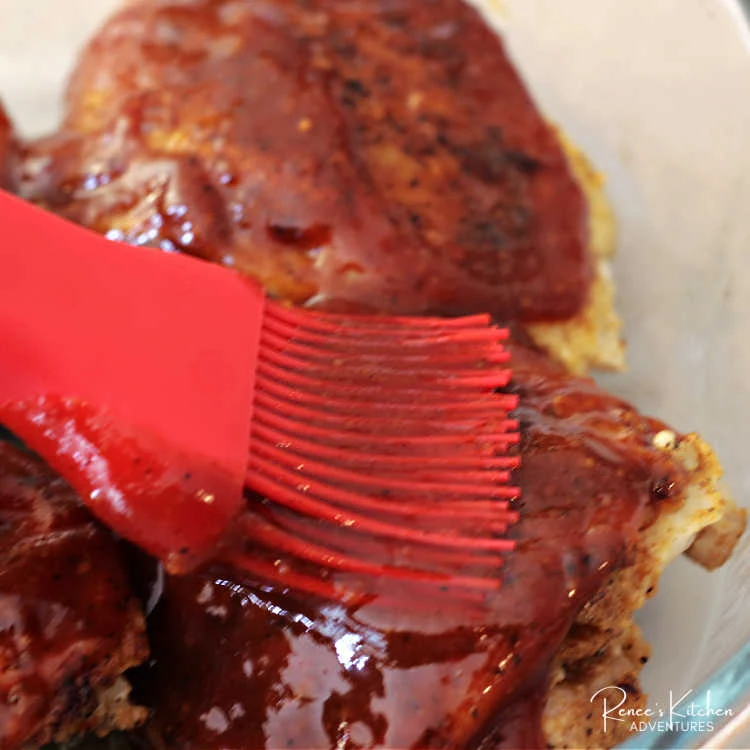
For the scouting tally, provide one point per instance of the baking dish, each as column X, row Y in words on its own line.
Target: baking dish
column 657, row 93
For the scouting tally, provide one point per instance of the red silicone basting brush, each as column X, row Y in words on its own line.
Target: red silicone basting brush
column 376, row 445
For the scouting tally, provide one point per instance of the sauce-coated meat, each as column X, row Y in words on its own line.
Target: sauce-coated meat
column 377, row 152
column 247, row 664
column 69, row 623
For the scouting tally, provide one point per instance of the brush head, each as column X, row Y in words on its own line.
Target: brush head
column 380, row 456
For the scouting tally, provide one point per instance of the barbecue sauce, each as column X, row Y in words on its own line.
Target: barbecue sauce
column 69, row 623
column 144, row 488
column 379, row 153
column 243, row 662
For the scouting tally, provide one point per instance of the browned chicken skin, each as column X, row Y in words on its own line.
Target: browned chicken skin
column 69, row 623
column 377, row 152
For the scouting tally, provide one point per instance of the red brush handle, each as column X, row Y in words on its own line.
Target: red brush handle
column 167, row 343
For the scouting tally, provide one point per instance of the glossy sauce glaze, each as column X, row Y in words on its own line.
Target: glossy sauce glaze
column 245, row 663
column 69, row 622
column 377, row 152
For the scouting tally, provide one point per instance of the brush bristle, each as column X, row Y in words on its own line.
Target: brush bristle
column 380, row 449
